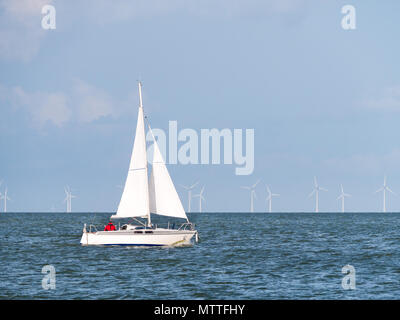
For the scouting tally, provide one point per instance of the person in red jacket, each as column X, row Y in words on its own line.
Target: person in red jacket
column 110, row 227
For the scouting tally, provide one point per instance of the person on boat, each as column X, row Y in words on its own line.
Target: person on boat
column 110, row 227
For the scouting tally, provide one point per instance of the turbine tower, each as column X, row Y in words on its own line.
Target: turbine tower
column 5, row 198
column 342, row 196
column 269, row 198
column 68, row 198
column 384, row 188
column 252, row 195
column 316, row 190
column 189, row 190
column 200, row 195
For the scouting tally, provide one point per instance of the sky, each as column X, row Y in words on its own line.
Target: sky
column 323, row 101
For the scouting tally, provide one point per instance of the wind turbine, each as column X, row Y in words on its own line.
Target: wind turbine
column 316, row 190
column 5, row 198
column 200, row 195
column 342, row 196
column 384, row 188
column 189, row 190
column 269, row 198
column 252, row 194
column 68, row 198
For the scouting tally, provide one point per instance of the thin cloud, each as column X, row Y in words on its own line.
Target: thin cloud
column 91, row 102
column 388, row 101
column 83, row 103
column 105, row 11
column 21, row 33
column 43, row 107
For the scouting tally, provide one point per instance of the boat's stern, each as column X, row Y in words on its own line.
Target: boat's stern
column 84, row 239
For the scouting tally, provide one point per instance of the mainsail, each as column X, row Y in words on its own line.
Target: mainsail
column 135, row 198
column 164, row 199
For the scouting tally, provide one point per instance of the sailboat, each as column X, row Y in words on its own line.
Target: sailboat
column 142, row 197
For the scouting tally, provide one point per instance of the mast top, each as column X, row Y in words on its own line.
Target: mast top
column 140, row 95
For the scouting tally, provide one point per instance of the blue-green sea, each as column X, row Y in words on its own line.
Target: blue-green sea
column 239, row 256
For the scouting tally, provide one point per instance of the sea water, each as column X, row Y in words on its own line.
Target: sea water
column 239, row 256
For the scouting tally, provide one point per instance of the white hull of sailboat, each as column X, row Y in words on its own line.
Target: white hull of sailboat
column 157, row 237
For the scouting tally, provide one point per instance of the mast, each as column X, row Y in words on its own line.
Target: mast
column 141, row 106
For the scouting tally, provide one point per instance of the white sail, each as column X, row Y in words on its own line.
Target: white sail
column 164, row 199
column 135, row 198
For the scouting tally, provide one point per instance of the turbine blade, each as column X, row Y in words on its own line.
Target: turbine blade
column 379, row 190
column 388, row 189
column 254, row 185
column 193, row 185
column 311, row 193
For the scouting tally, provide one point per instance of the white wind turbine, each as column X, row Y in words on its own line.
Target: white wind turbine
column 384, row 188
column 342, row 196
column 68, row 198
column 269, row 198
column 5, row 198
column 189, row 190
column 201, row 198
column 316, row 190
column 252, row 194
